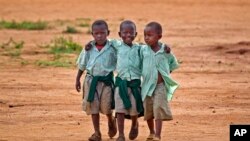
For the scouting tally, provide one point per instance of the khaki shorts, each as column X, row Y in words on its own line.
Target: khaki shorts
column 119, row 106
column 102, row 100
column 157, row 105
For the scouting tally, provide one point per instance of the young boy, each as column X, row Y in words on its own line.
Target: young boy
column 157, row 86
column 127, row 93
column 99, row 62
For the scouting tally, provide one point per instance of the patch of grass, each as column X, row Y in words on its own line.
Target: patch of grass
column 71, row 30
column 84, row 25
column 54, row 63
column 24, row 62
column 11, row 44
column 59, row 60
column 14, row 53
column 63, row 50
column 64, row 45
column 25, row 25
column 12, row 48
column 84, row 22
column 180, row 61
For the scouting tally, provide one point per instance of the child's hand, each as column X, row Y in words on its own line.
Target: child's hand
column 167, row 49
column 78, row 86
column 88, row 46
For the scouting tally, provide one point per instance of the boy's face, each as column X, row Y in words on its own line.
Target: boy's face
column 100, row 34
column 128, row 33
column 151, row 36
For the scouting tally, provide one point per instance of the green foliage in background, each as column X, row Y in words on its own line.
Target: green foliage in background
column 71, row 30
column 63, row 50
column 64, row 45
column 83, row 22
column 25, row 25
column 54, row 63
column 12, row 48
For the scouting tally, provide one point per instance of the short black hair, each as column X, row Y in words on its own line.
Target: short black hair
column 127, row 22
column 99, row 22
column 156, row 26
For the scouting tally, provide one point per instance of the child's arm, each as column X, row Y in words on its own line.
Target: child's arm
column 173, row 63
column 82, row 63
column 88, row 46
column 115, row 43
column 78, row 82
column 167, row 49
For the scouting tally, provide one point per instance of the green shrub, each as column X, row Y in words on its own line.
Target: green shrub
column 62, row 49
column 84, row 25
column 26, row 25
column 83, row 22
column 24, row 62
column 64, row 45
column 71, row 30
column 54, row 63
column 180, row 61
column 12, row 48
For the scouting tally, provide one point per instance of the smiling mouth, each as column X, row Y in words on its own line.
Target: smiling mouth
column 128, row 38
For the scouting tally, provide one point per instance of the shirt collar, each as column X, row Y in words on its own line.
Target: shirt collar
column 104, row 48
column 161, row 50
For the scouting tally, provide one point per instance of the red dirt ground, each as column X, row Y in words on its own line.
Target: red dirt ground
column 211, row 38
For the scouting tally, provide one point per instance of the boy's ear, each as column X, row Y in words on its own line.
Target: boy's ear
column 135, row 34
column 119, row 33
column 108, row 32
column 159, row 36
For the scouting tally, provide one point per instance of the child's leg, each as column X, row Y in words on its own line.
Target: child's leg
column 96, row 123
column 110, row 117
column 150, row 123
column 112, row 130
column 120, row 122
column 134, row 128
column 120, row 112
column 134, row 121
column 105, row 108
column 158, row 127
column 161, row 109
column 149, row 114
